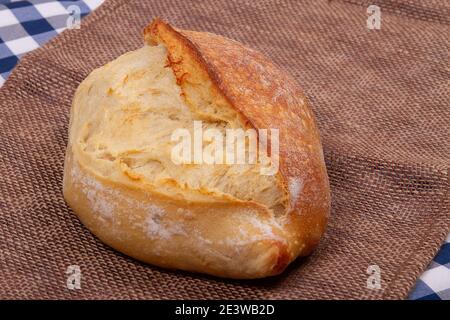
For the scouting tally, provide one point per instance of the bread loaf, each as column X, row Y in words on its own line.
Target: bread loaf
column 129, row 182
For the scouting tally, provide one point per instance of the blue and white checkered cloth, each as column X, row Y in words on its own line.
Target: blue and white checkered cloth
column 434, row 284
column 27, row 25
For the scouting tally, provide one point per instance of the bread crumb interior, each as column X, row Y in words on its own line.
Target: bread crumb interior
column 126, row 112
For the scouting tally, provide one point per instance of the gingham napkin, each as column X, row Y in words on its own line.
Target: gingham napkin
column 27, row 25
column 434, row 284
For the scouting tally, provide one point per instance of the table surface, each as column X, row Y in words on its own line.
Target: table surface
column 27, row 25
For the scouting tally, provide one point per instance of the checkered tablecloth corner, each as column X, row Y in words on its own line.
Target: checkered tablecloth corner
column 27, row 25
column 434, row 284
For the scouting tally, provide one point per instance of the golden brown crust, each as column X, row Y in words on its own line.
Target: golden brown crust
column 266, row 97
column 235, row 239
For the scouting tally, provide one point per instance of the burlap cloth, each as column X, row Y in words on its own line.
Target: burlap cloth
column 382, row 101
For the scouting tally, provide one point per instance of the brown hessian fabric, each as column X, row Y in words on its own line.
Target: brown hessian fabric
column 382, row 102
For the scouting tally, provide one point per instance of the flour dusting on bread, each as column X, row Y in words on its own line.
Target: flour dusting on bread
column 156, row 227
column 295, row 189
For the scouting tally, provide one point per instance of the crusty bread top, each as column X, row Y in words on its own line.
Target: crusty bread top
column 122, row 119
column 124, row 112
column 262, row 94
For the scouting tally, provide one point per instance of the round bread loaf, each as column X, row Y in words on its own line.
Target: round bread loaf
column 125, row 181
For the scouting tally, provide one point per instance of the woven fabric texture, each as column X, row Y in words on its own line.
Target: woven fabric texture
column 381, row 98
